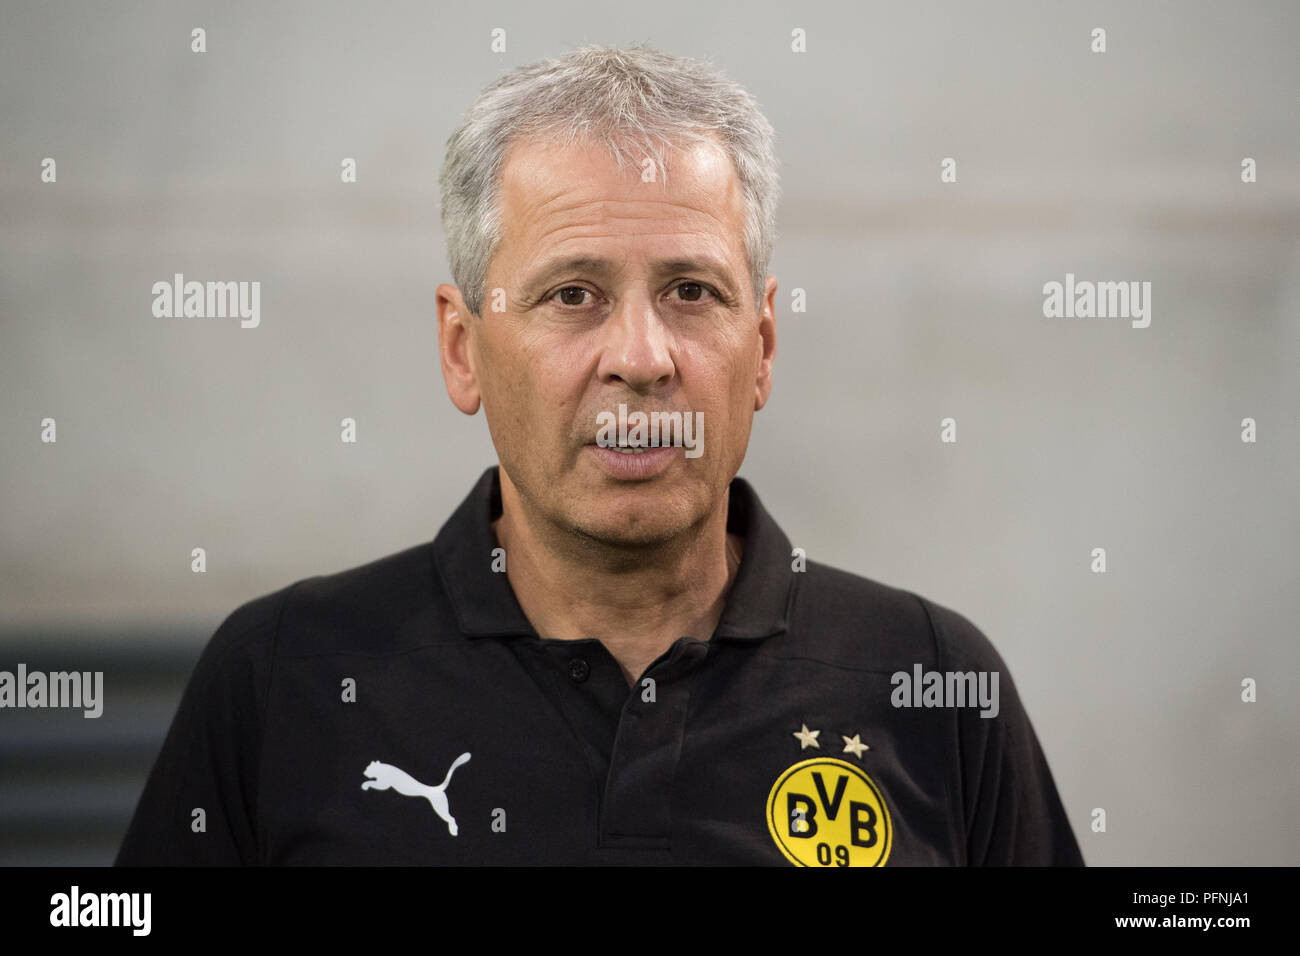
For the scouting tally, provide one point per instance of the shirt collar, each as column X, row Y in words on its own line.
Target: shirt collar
column 757, row 605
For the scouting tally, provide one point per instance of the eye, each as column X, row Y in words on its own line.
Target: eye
column 571, row 295
column 693, row 291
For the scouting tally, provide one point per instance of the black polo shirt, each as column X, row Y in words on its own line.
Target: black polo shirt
column 406, row 712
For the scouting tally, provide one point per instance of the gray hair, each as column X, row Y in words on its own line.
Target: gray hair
column 636, row 97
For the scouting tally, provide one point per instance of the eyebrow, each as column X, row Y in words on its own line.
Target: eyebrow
column 548, row 271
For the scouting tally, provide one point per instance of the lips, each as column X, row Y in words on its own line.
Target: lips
column 680, row 416
column 629, row 448
column 626, row 463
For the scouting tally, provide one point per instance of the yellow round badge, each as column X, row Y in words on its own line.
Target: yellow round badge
column 827, row 812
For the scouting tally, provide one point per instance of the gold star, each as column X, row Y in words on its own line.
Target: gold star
column 807, row 738
column 852, row 745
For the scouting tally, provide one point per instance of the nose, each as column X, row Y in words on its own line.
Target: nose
column 637, row 350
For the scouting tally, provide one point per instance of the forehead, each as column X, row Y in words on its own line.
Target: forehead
column 553, row 195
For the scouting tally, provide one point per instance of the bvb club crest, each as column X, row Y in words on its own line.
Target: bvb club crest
column 827, row 812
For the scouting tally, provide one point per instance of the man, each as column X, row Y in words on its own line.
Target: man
column 610, row 653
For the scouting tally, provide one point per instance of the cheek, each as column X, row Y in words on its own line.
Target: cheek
column 498, row 383
column 725, row 367
column 532, row 378
column 560, row 367
column 721, row 373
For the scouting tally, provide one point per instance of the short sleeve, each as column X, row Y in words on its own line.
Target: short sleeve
column 210, row 758
column 1011, row 813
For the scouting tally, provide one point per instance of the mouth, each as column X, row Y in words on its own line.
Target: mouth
column 625, row 449
column 632, row 462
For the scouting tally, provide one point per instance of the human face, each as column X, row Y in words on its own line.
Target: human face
column 610, row 289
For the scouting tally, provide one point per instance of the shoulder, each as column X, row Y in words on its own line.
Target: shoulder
column 341, row 612
column 861, row 619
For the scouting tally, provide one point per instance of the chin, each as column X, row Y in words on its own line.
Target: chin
column 640, row 525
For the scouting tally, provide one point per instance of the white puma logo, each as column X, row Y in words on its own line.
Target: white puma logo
column 387, row 776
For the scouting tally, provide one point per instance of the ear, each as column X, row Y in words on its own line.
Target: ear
column 766, row 345
column 455, row 349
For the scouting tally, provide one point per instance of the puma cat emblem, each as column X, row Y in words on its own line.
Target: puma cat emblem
column 386, row 777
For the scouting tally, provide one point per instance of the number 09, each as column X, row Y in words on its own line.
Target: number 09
column 824, row 855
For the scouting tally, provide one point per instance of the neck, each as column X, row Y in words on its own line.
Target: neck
column 636, row 600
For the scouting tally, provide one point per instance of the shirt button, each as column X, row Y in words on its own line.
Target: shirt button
column 579, row 670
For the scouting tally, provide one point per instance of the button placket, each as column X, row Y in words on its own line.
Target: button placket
column 636, row 810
